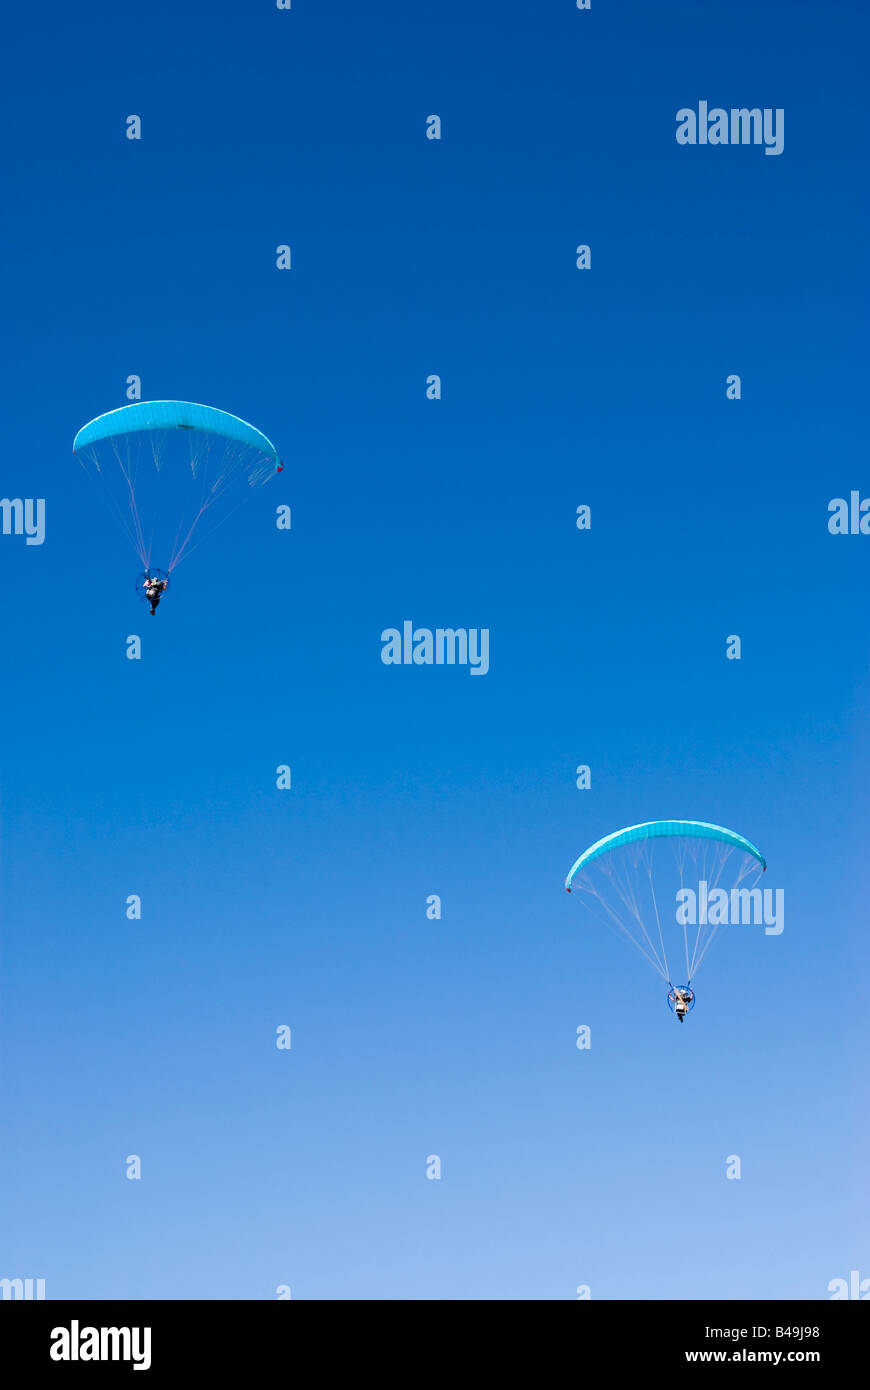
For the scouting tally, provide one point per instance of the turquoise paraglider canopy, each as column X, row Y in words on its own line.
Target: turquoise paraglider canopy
column 651, row 829
column 181, row 415
column 668, row 886
column 172, row 471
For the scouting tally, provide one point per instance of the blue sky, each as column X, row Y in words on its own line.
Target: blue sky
column 307, row 908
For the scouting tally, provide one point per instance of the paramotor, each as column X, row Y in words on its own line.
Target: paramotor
column 653, row 882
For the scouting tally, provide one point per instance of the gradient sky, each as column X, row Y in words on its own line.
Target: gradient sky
column 307, row 908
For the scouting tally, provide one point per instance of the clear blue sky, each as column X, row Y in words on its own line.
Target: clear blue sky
column 307, row 907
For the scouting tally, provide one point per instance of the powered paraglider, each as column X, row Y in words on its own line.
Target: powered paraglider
column 170, row 472
column 654, row 884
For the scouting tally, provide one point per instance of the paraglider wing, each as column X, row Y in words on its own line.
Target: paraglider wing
column 666, row 886
column 651, row 829
column 167, row 415
column 171, row 471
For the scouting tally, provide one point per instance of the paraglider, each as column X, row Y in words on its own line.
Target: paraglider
column 153, row 589
column 151, row 586
column 681, row 1000
column 630, row 878
column 170, row 472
